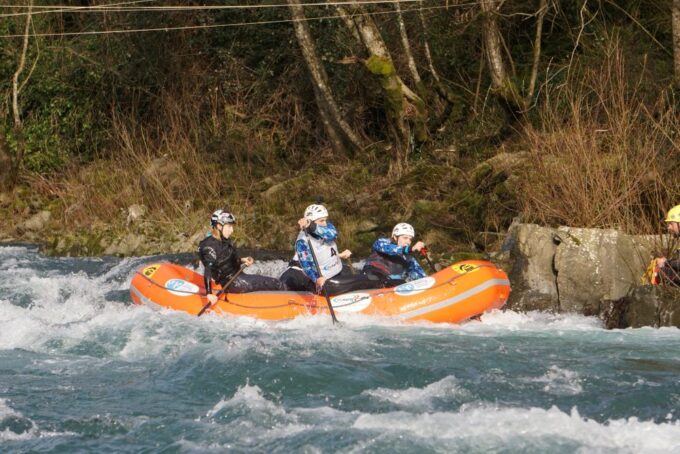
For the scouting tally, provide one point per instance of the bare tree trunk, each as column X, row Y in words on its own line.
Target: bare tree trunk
column 500, row 80
column 444, row 92
column 343, row 138
column 407, row 49
column 676, row 39
column 16, row 89
column 405, row 109
column 542, row 9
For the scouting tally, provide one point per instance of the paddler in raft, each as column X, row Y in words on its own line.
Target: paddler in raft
column 669, row 269
column 303, row 275
column 391, row 262
column 221, row 260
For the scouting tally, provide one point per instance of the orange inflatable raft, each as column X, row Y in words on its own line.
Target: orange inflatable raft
column 454, row 294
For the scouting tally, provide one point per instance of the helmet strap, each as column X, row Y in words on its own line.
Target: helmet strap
column 219, row 228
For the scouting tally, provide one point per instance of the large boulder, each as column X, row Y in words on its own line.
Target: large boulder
column 573, row 269
column 595, row 265
column 527, row 255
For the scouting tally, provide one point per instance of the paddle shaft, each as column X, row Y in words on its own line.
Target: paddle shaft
column 423, row 252
column 323, row 288
column 224, row 289
column 351, row 266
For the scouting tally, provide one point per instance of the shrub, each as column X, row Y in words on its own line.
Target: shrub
column 603, row 156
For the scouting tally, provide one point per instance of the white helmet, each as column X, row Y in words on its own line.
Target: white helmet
column 222, row 217
column 403, row 229
column 314, row 212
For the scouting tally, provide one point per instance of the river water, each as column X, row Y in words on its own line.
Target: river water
column 84, row 370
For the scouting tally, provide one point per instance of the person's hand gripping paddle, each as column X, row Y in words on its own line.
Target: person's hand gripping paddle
column 224, row 289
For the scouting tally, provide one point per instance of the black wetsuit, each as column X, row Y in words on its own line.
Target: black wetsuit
column 670, row 272
column 388, row 269
column 221, row 262
column 344, row 282
column 347, row 281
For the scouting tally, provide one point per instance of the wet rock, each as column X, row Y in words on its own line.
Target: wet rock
column 644, row 306
column 35, row 223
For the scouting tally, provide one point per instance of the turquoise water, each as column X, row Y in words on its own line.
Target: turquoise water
column 83, row 370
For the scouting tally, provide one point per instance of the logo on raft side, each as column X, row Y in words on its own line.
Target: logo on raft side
column 180, row 287
column 351, row 302
column 463, row 268
column 415, row 287
column 150, row 270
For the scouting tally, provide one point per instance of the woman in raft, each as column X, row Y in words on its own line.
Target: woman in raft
column 391, row 262
column 317, row 264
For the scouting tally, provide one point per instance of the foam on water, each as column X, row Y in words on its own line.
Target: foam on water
column 250, row 397
column 15, row 427
column 497, row 426
column 561, row 382
column 273, row 268
column 237, row 383
column 510, row 425
column 421, row 398
column 536, row 321
column 249, row 419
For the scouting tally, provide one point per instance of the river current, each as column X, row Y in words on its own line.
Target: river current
column 82, row 369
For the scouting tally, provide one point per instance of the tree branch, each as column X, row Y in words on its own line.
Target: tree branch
column 407, row 46
column 22, row 63
column 542, row 9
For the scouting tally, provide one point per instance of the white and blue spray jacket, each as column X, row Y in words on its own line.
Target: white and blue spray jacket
column 393, row 261
column 325, row 249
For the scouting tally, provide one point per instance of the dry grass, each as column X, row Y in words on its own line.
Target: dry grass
column 602, row 157
column 186, row 165
column 188, row 162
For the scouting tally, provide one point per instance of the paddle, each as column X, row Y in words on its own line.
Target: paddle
column 423, row 252
column 224, row 289
column 351, row 266
column 318, row 270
